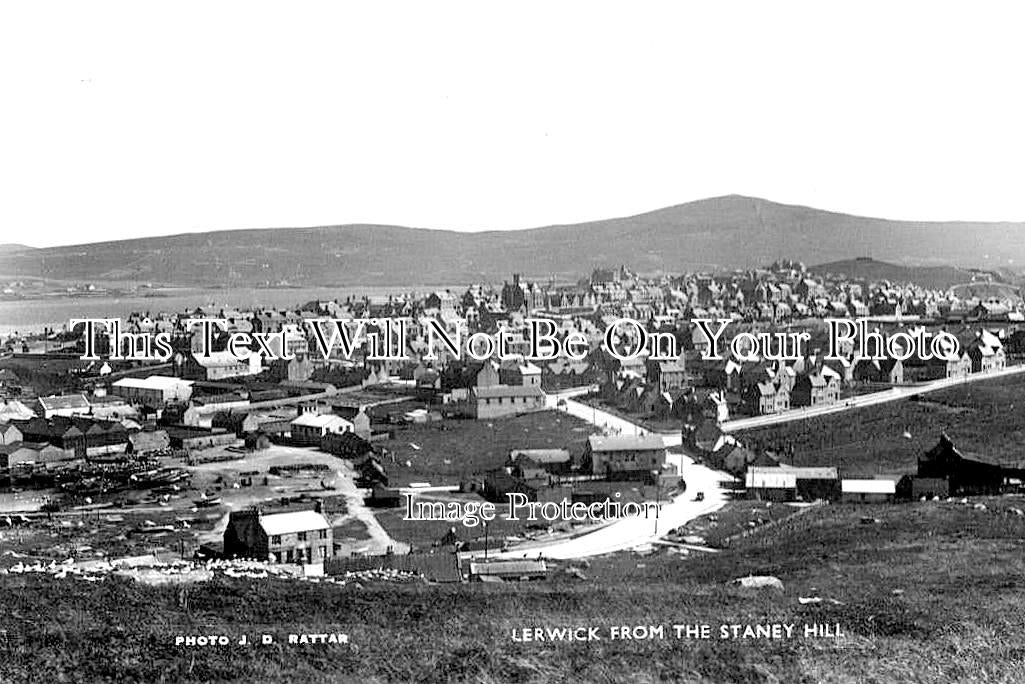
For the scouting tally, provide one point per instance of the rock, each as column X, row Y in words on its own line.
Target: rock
column 758, row 582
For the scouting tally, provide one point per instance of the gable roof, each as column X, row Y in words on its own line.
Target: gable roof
column 319, row 421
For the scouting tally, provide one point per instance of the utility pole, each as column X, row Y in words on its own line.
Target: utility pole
column 658, row 499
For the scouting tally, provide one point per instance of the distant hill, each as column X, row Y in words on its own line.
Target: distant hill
column 8, row 247
column 937, row 277
column 720, row 233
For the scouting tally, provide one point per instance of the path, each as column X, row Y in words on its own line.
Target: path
column 628, row 533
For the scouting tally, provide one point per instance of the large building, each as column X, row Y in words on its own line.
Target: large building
column 303, row 537
column 156, row 390
column 489, row 398
column 501, row 401
column 66, row 405
column 625, row 455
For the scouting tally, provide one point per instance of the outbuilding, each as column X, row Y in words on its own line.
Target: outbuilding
column 868, row 491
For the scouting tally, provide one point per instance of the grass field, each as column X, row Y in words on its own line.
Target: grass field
column 735, row 518
column 931, row 592
column 446, row 452
column 986, row 417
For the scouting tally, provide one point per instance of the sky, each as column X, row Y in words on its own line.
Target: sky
column 129, row 119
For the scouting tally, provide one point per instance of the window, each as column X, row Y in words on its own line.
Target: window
column 323, row 534
column 301, row 536
column 276, row 539
column 323, row 552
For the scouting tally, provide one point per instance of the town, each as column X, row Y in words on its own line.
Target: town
column 258, row 438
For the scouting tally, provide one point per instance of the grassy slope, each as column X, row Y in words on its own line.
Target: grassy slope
column 981, row 417
column 958, row 618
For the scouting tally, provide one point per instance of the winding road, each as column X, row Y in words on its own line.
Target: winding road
column 628, row 533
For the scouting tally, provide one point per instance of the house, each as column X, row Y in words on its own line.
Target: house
column 888, row 371
column 500, row 401
column 554, row 461
column 303, row 537
column 666, row 375
column 357, row 415
column 938, row 368
column 987, row 353
column 310, row 428
column 220, row 365
column 192, row 437
column 523, row 374
column 155, row 390
column 9, row 434
column 816, row 388
column 239, row 423
column 297, row 369
column 257, row 441
column 868, row 491
column 625, row 456
column 766, row 397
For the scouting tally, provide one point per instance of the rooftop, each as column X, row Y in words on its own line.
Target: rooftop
column 295, row 521
column 160, row 382
column 626, row 443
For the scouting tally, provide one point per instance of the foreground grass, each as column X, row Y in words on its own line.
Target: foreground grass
column 931, row 592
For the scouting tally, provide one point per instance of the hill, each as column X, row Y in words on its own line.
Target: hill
column 937, row 277
column 720, row 233
column 9, row 247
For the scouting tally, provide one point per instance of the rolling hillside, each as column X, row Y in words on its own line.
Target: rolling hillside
column 938, row 277
column 719, row 233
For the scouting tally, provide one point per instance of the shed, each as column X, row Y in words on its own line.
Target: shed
column 868, row 491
